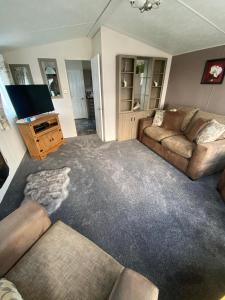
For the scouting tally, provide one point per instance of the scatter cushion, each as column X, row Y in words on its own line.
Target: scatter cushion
column 159, row 133
column 158, row 118
column 211, row 132
column 173, row 120
column 190, row 113
column 8, row 290
column 180, row 145
column 196, row 127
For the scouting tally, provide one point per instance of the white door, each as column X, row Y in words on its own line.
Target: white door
column 77, row 88
column 96, row 82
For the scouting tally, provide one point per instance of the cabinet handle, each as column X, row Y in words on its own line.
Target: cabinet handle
column 132, row 119
column 41, row 150
column 37, row 141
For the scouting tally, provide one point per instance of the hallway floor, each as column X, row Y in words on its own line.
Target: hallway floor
column 85, row 126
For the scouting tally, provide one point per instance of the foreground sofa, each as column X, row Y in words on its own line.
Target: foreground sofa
column 57, row 263
column 195, row 160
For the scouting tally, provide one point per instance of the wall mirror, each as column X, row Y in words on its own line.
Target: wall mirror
column 50, row 75
column 21, row 74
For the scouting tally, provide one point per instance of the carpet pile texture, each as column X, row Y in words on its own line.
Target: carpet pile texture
column 142, row 211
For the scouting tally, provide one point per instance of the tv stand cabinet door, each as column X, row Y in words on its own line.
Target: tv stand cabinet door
column 43, row 144
column 49, row 141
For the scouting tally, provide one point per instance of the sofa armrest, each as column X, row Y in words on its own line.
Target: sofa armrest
column 19, row 231
column 133, row 286
column 143, row 123
column 207, row 159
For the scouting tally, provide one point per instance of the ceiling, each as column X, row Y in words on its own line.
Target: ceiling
column 178, row 26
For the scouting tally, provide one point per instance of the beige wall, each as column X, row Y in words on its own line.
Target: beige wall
column 184, row 86
column 112, row 44
column 76, row 49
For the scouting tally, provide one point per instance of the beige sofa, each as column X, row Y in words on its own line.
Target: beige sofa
column 57, row 263
column 192, row 159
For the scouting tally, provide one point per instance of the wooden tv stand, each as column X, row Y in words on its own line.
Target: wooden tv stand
column 42, row 136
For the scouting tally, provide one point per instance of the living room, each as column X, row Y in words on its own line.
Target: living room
column 148, row 187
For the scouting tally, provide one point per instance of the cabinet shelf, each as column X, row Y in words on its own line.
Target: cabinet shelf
column 127, row 100
column 159, row 86
column 127, row 72
column 126, row 111
column 126, row 87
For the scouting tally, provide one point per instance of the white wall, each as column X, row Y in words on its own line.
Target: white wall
column 112, row 44
column 96, row 44
column 76, row 49
column 11, row 144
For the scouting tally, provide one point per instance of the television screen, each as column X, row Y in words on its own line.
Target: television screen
column 30, row 100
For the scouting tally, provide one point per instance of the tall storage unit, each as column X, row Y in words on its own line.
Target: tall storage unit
column 139, row 88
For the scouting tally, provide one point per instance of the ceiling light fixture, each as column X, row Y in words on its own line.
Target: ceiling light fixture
column 144, row 5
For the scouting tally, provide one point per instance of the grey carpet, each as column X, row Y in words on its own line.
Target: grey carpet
column 142, row 211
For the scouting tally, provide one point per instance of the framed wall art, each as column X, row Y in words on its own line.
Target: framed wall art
column 214, row 71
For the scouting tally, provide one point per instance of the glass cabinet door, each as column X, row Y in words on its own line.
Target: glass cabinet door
column 142, row 83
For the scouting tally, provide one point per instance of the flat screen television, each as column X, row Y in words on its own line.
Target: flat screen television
column 30, row 100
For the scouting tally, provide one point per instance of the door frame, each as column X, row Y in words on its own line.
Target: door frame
column 99, row 73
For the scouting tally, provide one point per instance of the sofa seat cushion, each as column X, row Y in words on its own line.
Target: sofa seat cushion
column 159, row 133
column 63, row 264
column 180, row 145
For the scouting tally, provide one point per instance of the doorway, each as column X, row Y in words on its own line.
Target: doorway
column 81, row 90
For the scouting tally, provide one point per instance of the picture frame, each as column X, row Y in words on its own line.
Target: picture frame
column 21, row 74
column 214, row 71
column 50, row 76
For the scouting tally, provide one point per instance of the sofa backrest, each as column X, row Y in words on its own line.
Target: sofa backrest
column 209, row 116
column 203, row 114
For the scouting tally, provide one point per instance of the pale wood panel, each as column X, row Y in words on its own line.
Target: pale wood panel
column 137, row 117
column 125, row 126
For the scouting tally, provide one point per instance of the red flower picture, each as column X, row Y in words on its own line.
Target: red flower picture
column 214, row 71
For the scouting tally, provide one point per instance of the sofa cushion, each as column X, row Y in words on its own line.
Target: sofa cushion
column 63, row 264
column 190, row 113
column 158, row 118
column 180, row 145
column 173, row 120
column 8, row 291
column 196, row 127
column 159, row 133
column 211, row 132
